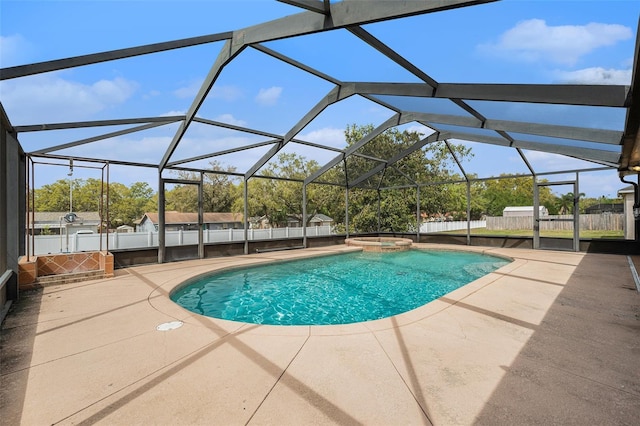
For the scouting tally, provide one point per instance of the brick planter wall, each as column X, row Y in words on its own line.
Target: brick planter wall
column 60, row 264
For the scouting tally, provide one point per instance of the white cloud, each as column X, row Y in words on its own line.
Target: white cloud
column 329, row 136
column 50, row 98
column 230, row 119
column 547, row 157
column 547, row 161
column 134, row 147
column 188, row 91
column 198, row 144
column 595, row 75
column 269, row 96
column 226, row 93
column 14, row 50
column 111, row 91
column 534, row 40
column 151, row 94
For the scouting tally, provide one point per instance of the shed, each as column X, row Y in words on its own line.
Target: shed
column 125, row 229
column 515, row 211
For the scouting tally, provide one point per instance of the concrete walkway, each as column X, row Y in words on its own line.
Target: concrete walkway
column 551, row 338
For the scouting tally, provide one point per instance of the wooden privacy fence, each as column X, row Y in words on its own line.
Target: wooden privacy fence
column 588, row 222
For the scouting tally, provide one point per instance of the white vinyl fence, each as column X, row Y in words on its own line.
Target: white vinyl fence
column 45, row 244
column 451, row 226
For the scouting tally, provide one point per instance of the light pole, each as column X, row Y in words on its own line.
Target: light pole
column 66, row 225
column 70, row 185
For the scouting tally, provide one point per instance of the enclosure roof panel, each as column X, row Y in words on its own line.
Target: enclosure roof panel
column 294, row 78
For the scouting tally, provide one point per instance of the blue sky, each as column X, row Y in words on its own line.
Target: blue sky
column 508, row 42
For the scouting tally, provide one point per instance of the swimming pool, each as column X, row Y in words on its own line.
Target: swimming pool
column 337, row 289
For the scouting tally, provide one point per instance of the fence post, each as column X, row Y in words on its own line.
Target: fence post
column 149, row 239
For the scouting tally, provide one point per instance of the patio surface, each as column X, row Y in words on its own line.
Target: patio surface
column 551, row 338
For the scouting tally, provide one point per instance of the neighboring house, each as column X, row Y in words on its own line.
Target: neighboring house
column 51, row 223
column 259, row 222
column 295, row 221
column 627, row 194
column 514, row 211
column 175, row 221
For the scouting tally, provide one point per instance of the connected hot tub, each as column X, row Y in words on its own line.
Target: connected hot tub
column 380, row 244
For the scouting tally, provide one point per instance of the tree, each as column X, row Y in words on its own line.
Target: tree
column 513, row 191
column 54, row 197
column 455, row 200
column 129, row 204
column 126, row 204
column 565, row 203
column 432, row 163
column 276, row 198
column 219, row 190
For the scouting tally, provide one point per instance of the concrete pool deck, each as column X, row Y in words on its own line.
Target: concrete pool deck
column 552, row 338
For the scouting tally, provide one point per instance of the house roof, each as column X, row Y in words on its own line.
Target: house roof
column 316, row 218
column 521, row 208
column 173, row 217
column 626, row 190
column 54, row 217
column 321, row 217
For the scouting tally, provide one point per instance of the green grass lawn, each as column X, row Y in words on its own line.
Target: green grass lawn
column 529, row 233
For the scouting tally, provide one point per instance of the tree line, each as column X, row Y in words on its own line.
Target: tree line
column 276, row 199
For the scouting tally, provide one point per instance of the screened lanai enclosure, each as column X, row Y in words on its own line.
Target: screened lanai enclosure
column 364, row 122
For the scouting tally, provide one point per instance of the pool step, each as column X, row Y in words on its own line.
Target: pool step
column 73, row 277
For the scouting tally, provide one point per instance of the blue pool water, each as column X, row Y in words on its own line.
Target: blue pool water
column 338, row 289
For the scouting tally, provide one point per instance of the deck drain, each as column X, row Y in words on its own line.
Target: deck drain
column 169, row 326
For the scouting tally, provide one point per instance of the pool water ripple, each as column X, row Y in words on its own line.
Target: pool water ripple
column 339, row 289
